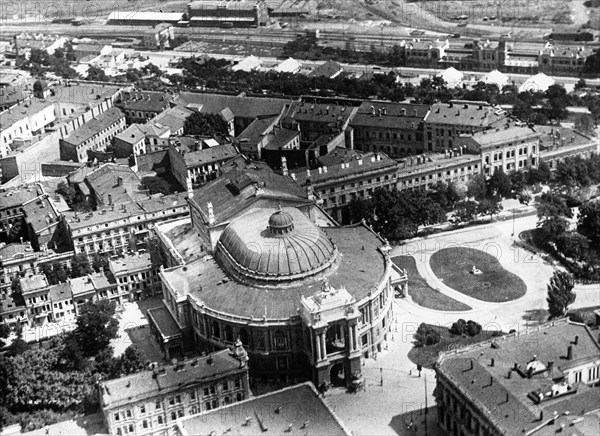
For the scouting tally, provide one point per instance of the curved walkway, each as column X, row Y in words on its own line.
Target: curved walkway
column 495, row 239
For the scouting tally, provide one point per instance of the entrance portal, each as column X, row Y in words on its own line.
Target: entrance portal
column 337, row 375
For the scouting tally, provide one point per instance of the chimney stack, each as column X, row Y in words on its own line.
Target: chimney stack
column 550, row 365
column 284, row 168
column 211, row 213
column 190, row 190
column 120, row 181
column 492, row 362
column 576, row 340
column 570, row 352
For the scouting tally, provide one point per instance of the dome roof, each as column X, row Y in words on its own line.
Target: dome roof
column 281, row 222
column 291, row 248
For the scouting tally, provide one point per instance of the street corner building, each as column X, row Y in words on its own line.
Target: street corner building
column 259, row 261
column 539, row 381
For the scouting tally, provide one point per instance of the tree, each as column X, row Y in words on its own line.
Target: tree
column 560, row 293
column 67, row 192
column 200, row 123
column 359, row 209
column 541, row 174
column 426, row 335
column 132, row 361
column 553, row 227
column 156, row 185
column 80, row 265
column 490, row 206
column 96, row 74
column 4, row 333
column 99, row 262
column 96, row 326
column 476, row 188
column 589, row 220
column 573, row 245
column 465, row 211
column 499, row 184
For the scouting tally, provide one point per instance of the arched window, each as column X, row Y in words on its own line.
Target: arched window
column 244, row 337
column 216, row 329
column 279, row 340
column 228, row 332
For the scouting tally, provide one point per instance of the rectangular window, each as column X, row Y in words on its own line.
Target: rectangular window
column 117, row 416
column 193, row 395
column 128, row 413
column 158, row 405
column 225, row 386
column 142, row 409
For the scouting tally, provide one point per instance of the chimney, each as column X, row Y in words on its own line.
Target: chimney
column 492, row 362
column 384, row 111
column 415, row 112
column 570, row 352
column 109, row 199
column 373, row 110
column 324, row 170
column 307, row 174
column 576, row 340
column 190, row 190
column 379, row 112
column 309, row 190
column 550, row 365
column 320, row 170
column 284, row 168
column 211, row 213
column 120, row 181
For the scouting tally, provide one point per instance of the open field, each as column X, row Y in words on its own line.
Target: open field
column 494, row 284
column 423, row 294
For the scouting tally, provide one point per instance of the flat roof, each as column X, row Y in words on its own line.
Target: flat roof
column 296, row 410
column 164, row 322
column 18, row 196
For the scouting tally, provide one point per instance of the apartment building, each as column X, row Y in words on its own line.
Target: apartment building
column 136, row 274
column 11, row 205
column 537, row 381
column 151, row 402
column 141, row 106
column 35, row 291
column 120, row 228
column 392, row 128
column 94, row 287
column 510, row 148
column 335, row 186
column 194, row 159
column 94, row 135
column 23, row 121
column 445, row 122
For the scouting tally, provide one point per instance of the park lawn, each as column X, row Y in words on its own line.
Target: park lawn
column 423, row 294
column 495, row 284
column 427, row 355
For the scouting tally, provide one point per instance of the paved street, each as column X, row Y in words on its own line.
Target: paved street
column 386, row 409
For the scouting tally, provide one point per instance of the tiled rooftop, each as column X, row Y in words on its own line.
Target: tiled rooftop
column 94, row 126
column 23, row 110
column 40, row 214
column 320, row 112
column 143, row 385
column 16, row 197
column 475, row 114
column 33, row 282
column 246, row 107
column 133, row 263
column 505, row 400
column 60, row 292
column 393, row 115
column 145, row 101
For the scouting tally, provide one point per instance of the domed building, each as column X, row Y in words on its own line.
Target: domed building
column 306, row 301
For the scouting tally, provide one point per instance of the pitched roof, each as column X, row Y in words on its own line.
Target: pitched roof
column 173, row 118
column 40, row 214
column 465, row 113
column 60, row 292
column 245, row 107
column 144, row 385
column 505, row 400
column 17, row 197
column 94, row 126
column 393, row 115
column 489, row 138
column 234, row 191
column 145, row 101
column 209, row 155
column 329, row 69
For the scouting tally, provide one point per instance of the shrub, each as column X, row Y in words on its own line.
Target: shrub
column 462, row 327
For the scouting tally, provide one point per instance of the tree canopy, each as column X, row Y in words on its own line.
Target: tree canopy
column 200, row 123
column 560, row 293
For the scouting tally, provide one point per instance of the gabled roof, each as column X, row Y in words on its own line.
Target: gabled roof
column 329, row 69
column 465, row 113
column 173, row 118
column 94, row 126
column 244, row 107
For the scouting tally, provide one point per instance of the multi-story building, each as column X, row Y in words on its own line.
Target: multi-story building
column 417, row 53
column 319, row 119
column 537, row 381
column 15, row 259
column 140, row 139
column 61, row 298
column 118, row 229
column 94, row 287
column 23, row 121
column 510, row 148
column 151, row 402
column 95, row 135
column 297, row 408
column 265, row 134
column 174, row 119
column 191, row 159
column 44, row 224
column 559, row 143
column 111, row 184
column 393, row 128
column 446, row 121
column 35, row 291
column 563, row 61
column 11, row 205
column 141, row 106
column 136, row 274
column 337, row 185
column 13, row 311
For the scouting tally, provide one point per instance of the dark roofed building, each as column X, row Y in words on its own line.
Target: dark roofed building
column 521, row 383
column 112, row 184
column 152, row 401
column 319, row 119
column 329, row 70
column 244, row 109
column 141, row 106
